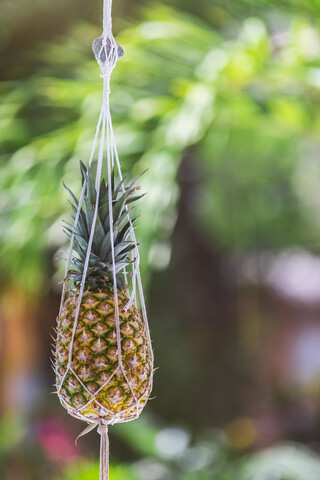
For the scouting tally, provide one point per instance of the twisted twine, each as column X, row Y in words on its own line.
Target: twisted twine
column 104, row 451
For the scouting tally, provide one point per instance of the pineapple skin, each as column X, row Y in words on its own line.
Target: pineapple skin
column 95, row 359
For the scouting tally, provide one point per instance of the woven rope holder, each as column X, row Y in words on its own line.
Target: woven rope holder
column 107, row 52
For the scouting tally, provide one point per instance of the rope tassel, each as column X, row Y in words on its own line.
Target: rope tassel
column 104, row 451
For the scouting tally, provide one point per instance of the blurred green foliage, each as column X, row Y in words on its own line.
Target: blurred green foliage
column 233, row 93
column 207, row 457
column 91, row 470
column 12, row 431
column 166, row 453
column 243, row 104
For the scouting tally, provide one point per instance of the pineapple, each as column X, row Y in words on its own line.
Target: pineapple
column 97, row 381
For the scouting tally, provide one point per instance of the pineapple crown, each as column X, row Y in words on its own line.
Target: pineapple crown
column 100, row 271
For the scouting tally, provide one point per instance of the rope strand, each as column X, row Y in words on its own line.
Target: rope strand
column 107, row 17
column 104, row 451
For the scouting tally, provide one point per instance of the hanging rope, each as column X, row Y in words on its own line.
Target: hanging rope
column 104, row 452
column 107, row 52
column 107, row 17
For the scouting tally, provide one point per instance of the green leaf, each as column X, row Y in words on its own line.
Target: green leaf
column 105, row 247
column 134, row 199
column 91, row 189
column 118, row 189
column 125, row 230
column 102, row 193
column 71, row 193
column 89, row 212
column 104, row 215
column 99, row 235
column 117, row 209
column 132, row 186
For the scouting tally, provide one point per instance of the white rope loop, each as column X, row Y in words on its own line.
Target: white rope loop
column 107, row 52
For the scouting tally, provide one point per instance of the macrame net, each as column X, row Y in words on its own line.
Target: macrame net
column 107, row 52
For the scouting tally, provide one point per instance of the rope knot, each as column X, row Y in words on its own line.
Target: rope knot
column 103, row 429
column 107, row 51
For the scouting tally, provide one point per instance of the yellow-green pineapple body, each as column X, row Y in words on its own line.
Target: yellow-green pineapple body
column 99, row 384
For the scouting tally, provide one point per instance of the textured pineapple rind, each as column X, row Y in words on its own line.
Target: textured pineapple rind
column 95, row 359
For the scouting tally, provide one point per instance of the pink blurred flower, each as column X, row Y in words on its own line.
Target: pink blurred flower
column 55, row 440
